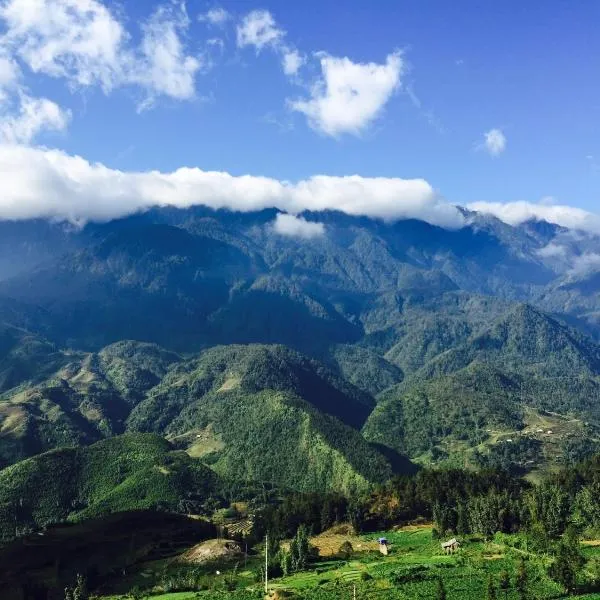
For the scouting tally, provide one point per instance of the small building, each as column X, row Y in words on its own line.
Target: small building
column 451, row 546
column 383, row 546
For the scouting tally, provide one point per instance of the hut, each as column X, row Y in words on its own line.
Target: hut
column 383, row 546
column 451, row 546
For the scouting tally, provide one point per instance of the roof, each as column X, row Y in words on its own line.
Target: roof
column 382, row 540
column 451, row 542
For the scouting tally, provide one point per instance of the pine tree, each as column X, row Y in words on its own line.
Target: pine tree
column 491, row 589
column 441, row 590
column 568, row 562
column 80, row 591
column 300, row 549
column 521, row 580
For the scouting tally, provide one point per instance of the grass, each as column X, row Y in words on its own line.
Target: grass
column 411, row 571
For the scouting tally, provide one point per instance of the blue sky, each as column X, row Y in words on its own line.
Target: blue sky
column 202, row 85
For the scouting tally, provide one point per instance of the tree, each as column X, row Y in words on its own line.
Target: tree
column 504, row 582
column 587, row 509
column 562, row 570
column 521, row 580
column 462, row 519
column 300, row 550
column 346, row 550
column 441, row 590
column 485, row 514
column 568, row 561
column 356, row 515
column 593, row 568
column 491, row 589
column 80, row 591
column 550, row 506
column 286, row 562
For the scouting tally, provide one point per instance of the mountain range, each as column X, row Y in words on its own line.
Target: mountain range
column 317, row 363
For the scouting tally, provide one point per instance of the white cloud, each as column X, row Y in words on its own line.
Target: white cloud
column 215, row 16
column 515, row 213
column 83, row 42
column 350, row 96
column 10, row 73
column 293, row 226
column 76, row 39
column 585, row 265
column 165, row 68
column 554, row 251
column 49, row 183
column 292, row 61
column 258, row 29
column 35, row 115
column 494, row 142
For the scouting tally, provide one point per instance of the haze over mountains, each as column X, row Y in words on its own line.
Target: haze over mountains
column 314, row 352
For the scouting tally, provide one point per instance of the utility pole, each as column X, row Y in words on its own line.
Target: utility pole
column 266, row 564
column 354, row 591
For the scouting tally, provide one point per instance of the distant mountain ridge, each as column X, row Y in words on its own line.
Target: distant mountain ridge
column 317, row 363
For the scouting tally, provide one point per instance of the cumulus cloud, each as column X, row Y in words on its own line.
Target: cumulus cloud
column 76, row 39
column 164, row 67
column 35, row 115
column 259, row 29
column 84, row 43
column 515, row 213
column 215, row 16
column 494, row 142
column 49, row 183
column 349, row 96
column 293, row 226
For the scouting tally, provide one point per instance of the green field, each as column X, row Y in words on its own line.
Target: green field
column 412, row 570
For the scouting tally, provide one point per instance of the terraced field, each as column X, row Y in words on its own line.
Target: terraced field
column 412, row 571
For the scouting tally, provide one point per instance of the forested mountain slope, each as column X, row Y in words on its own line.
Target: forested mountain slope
column 252, row 348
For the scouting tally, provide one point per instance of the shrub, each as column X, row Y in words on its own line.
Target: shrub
column 346, row 550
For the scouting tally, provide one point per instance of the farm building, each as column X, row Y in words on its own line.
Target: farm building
column 451, row 546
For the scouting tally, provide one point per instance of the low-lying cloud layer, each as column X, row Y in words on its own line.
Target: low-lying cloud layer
column 515, row 213
column 38, row 182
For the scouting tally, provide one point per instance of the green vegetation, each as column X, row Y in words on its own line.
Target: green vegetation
column 125, row 473
column 373, row 343
column 415, row 568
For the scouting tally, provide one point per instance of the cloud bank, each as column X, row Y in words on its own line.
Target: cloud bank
column 515, row 213
column 46, row 183
column 39, row 182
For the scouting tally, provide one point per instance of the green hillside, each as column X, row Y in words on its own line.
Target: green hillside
column 266, row 413
column 459, row 408
column 523, row 340
column 87, row 398
column 256, row 413
column 129, row 472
